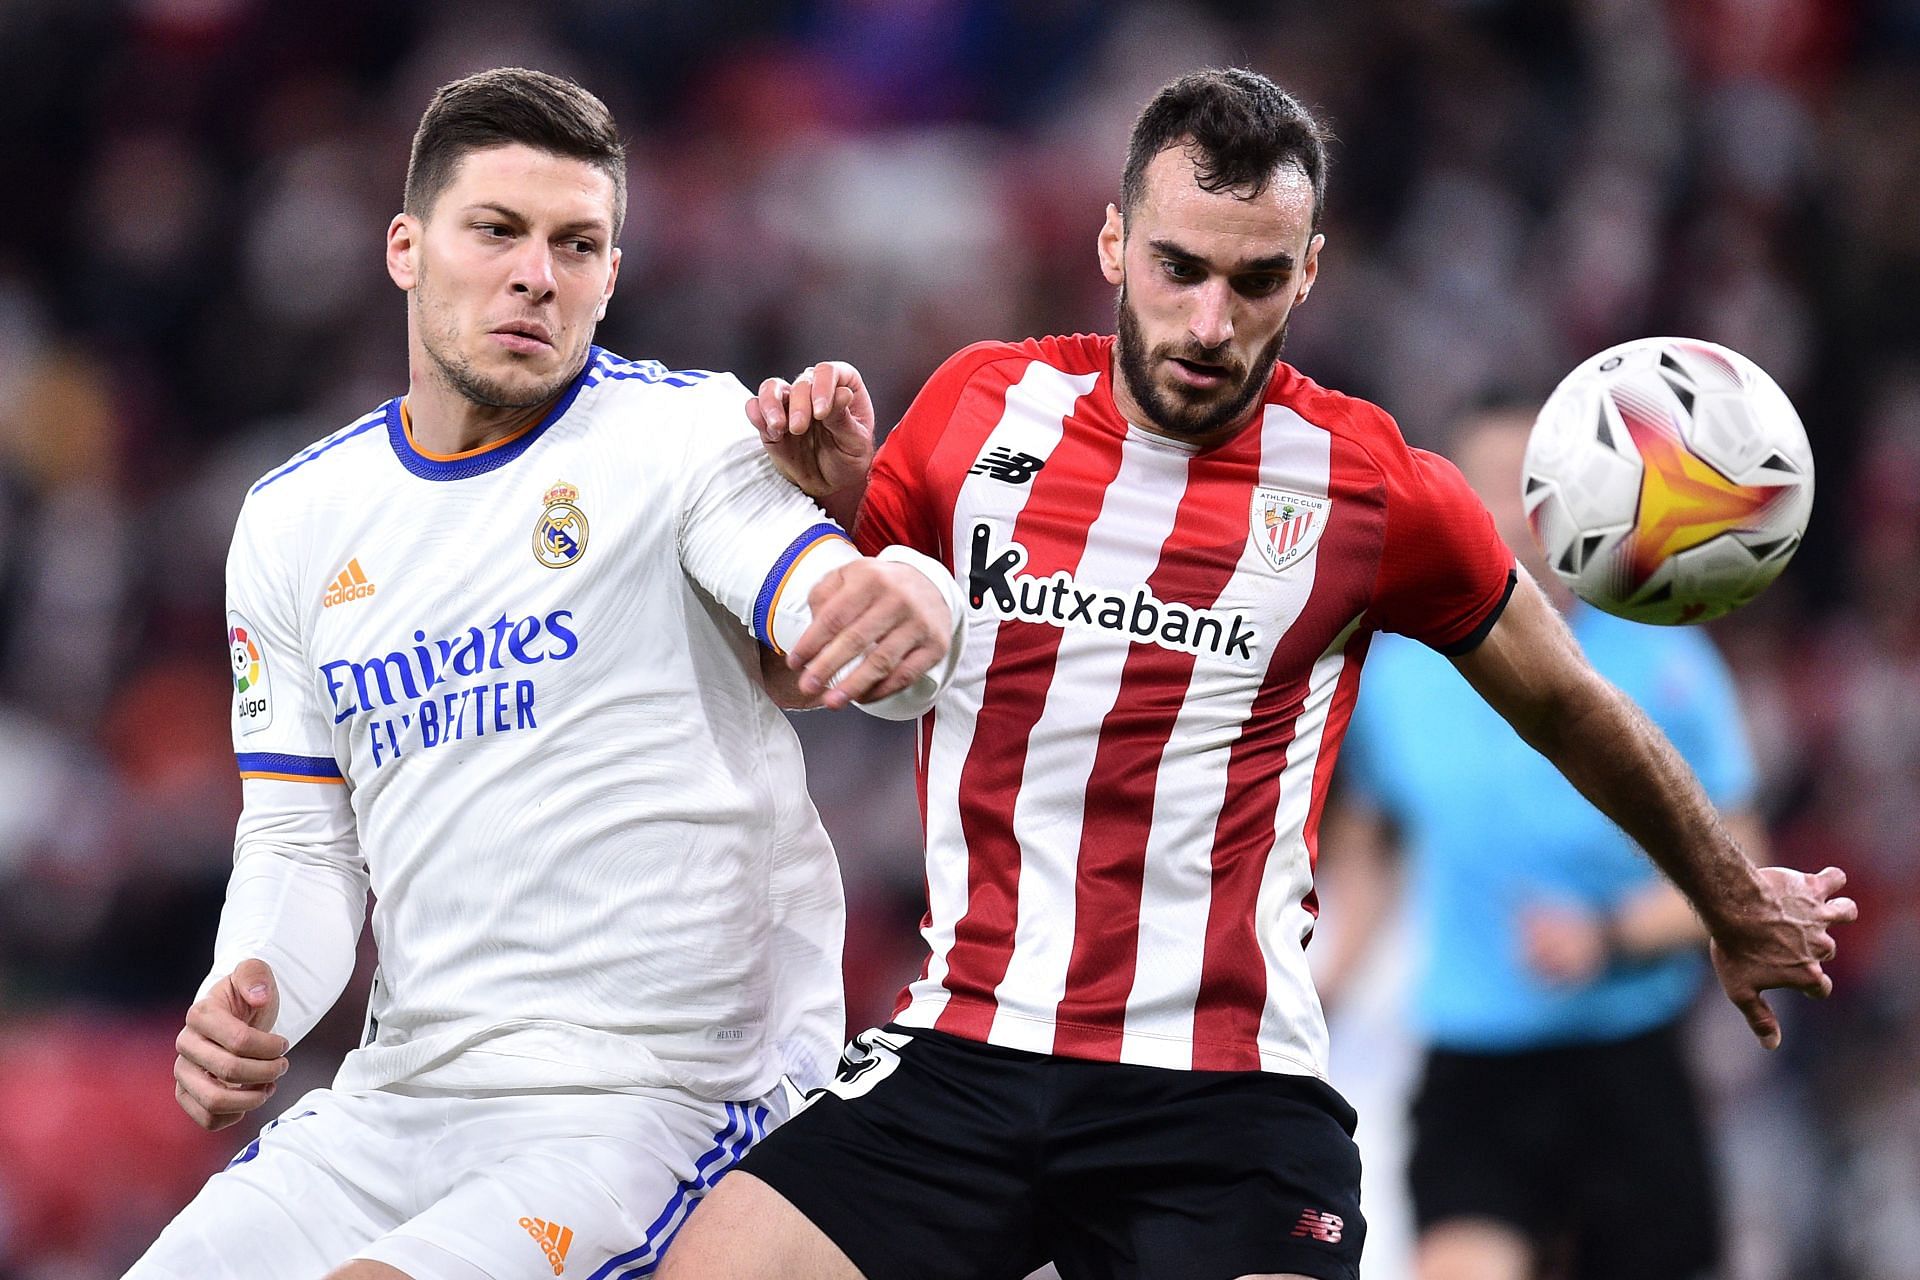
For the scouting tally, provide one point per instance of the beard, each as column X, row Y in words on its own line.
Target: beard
column 439, row 336
column 1200, row 415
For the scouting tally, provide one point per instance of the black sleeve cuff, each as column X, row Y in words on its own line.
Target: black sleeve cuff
column 1469, row 642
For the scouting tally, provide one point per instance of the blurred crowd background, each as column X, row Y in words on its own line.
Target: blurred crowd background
column 191, row 288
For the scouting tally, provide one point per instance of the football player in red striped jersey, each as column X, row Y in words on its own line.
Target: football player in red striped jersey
column 1176, row 548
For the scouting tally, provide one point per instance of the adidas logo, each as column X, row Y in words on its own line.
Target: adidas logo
column 553, row 1240
column 352, row 584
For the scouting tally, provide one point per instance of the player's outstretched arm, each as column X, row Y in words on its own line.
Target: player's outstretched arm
column 818, row 429
column 229, row 1055
column 1769, row 925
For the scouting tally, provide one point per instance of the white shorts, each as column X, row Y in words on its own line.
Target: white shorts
column 585, row 1185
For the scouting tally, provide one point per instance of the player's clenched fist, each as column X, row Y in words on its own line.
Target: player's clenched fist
column 882, row 624
column 229, row 1055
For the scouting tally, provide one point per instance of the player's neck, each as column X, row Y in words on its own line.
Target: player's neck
column 1137, row 416
column 442, row 422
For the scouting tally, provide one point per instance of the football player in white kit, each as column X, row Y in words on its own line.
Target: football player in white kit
column 498, row 654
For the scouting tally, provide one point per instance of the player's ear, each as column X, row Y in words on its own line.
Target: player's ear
column 403, row 250
column 1113, row 247
column 1309, row 268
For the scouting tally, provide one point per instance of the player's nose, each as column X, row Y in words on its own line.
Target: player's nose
column 533, row 271
column 1211, row 323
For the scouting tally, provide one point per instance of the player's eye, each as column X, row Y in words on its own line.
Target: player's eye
column 1258, row 286
column 1180, row 272
column 584, row 248
column 492, row 230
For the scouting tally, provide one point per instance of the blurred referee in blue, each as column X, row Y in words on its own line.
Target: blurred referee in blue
column 1556, row 1130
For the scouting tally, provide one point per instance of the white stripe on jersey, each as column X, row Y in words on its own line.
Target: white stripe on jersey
column 1176, row 891
column 1032, row 423
column 1140, row 502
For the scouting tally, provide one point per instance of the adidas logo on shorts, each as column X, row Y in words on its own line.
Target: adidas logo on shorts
column 553, row 1240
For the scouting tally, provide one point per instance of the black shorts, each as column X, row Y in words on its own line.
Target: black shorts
column 1595, row 1152
column 936, row 1158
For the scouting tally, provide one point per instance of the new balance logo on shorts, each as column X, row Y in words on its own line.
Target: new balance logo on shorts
column 1318, row 1224
column 553, row 1240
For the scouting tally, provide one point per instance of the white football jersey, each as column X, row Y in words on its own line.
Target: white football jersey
column 517, row 692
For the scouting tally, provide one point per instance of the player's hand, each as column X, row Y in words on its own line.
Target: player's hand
column 1783, row 946
column 1564, row 945
column 818, row 430
column 229, row 1056
column 888, row 618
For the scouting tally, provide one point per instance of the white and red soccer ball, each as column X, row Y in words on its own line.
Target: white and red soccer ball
column 1668, row 480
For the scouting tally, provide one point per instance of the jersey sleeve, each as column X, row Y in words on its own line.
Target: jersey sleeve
column 298, row 893
column 1445, row 575
column 280, row 730
column 753, row 541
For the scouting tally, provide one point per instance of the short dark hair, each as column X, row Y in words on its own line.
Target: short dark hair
column 1239, row 128
column 509, row 105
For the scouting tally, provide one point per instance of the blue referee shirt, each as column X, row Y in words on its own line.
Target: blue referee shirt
column 1488, row 827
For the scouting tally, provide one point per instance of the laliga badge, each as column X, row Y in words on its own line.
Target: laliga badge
column 1287, row 525
column 252, row 695
column 560, row 534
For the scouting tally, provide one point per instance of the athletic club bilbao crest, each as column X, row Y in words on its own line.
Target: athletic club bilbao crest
column 1286, row 525
column 560, row 535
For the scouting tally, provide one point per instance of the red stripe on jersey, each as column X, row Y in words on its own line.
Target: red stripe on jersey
column 1197, row 561
column 1233, row 972
column 937, row 442
column 1053, row 527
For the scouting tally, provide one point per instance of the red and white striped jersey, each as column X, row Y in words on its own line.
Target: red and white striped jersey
column 1122, row 786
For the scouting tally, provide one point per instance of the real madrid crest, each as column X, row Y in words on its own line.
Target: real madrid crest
column 1286, row 525
column 560, row 534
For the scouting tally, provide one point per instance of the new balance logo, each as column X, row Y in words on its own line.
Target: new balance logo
column 1318, row 1224
column 352, row 584
column 554, row 1240
column 995, row 585
column 1004, row 464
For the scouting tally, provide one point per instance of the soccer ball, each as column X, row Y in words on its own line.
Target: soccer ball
column 1667, row 480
